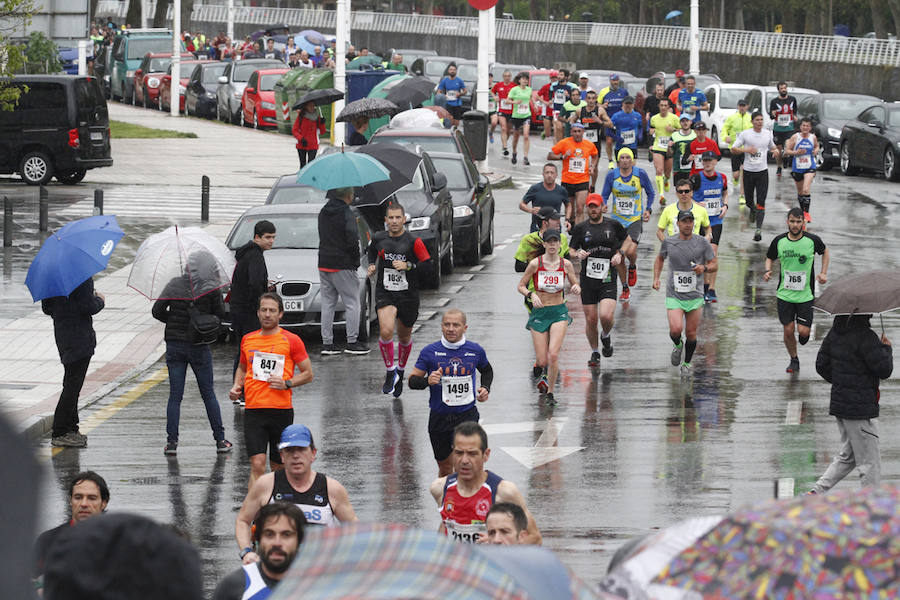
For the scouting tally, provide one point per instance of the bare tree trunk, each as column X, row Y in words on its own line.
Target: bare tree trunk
column 534, row 10
column 642, row 12
column 737, row 7
column 878, row 22
column 132, row 15
column 159, row 16
column 894, row 7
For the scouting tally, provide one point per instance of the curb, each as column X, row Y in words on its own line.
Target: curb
column 505, row 181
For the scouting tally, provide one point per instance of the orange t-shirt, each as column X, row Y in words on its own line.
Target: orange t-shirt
column 576, row 166
column 264, row 355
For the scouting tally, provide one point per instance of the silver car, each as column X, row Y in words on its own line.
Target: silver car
column 293, row 263
column 232, row 84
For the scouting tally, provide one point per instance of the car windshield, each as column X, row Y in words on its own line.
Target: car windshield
column 159, row 65
column 844, row 109
column 298, row 195
column 138, row 47
column 436, row 68
column 441, row 143
column 267, row 82
column 728, row 97
column 539, row 81
column 242, row 72
column 415, row 185
column 455, row 171
column 468, row 72
column 634, row 87
column 893, row 117
column 292, row 231
column 212, row 73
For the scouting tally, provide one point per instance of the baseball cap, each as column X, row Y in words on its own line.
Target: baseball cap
column 742, row 102
column 577, row 125
column 547, row 212
column 596, row 199
column 625, row 152
column 684, row 118
column 297, row 436
column 684, row 215
column 550, row 234
column 583, row 76
column 628, row 100
column 679, row 73
column 699, row 125
column 709, row 154
column 614, row 77
column 554, row 73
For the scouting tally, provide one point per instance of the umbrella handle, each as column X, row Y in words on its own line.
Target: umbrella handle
column 881, row 318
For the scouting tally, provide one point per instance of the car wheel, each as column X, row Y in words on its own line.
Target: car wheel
column 846, row 167
column 129, row 95
column 889, row 163
column 36, row 168
column 146, row 102
column 473, row 256
column 364, row 317
column 448, row 260
column 255, row 120
column 238, row 117
column 433, row 280
column 72, row 177
column 487, row 246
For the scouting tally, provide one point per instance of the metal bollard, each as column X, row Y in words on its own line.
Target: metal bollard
column 98, row 202
column 204, row 199
column 43, row 209
column 7, row 221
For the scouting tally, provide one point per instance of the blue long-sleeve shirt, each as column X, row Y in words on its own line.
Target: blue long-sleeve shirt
column 628, row 129
column 628, row 205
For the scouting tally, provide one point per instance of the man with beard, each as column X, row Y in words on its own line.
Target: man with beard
column 278, row 534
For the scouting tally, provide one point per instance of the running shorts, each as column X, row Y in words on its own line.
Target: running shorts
column 592, row 293
column 781, row 137
column 802, row 312
column 518, row 123
column 685, row 305
column 542, row 318
column 263, row 427
column 716, row 234
column 441, row 426
column 798, row 176
column 737, row 161
column 407, row 307
column 574, row 188
column 635, row 230
column 663, row 153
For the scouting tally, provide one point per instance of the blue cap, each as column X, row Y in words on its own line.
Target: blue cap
column 614, row 77
column 577, row 125
column 295, row 436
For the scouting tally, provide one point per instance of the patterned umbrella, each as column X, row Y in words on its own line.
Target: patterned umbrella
column 843, row 544
column 371, row 108
column 369, row 560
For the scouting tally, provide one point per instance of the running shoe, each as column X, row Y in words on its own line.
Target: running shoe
column 357, row 347
column 71, row 439
column 793, row 366
column 742, row 201
column 612, row 165
column 632, row 276
column 492, row 138
column 525, row 161
column 666, row 185
column 551, row 400
column 807, row 217
column 625, row 295
column 607, row 346
column 543, row 134
column 676, row 355
column 778, row 172
column 329, row 349
column 686, row 371
column 537, row 370
column 543, row 384
column 706, row 297
column 758, row 235
column 398, row 387
column 812, row 493
column 171, row 449
column 712, row 296
column 662, row 200
column 390, row 379
column 505, row 152
column 594, row 360
column 735, row 180
column 513, row 160
column 223, row 446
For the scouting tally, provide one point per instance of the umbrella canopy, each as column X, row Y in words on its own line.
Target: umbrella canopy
column 400, row 162
column 867, row 294
column 320, row 97
column 180, row 263
column 672, row 14
column 72, row 255
column 411, row 91
column 441, row 112
column 342, row 169
column 370, row 108
column 843, row 544
column 417, row 117
column 360, row 61
column 308, row 40
column 384, row 561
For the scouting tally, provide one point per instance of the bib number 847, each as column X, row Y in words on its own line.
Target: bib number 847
column 267, row 364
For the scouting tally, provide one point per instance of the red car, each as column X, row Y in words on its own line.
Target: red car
column 258, row 101
column 165, row 85
column 147, row 77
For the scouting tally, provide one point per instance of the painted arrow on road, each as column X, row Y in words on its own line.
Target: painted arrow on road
column 544, row 450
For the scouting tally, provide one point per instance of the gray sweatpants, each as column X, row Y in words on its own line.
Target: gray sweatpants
column 346, row 285
column 859, row 448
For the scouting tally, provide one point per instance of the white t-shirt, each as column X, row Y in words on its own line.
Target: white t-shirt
column 762, row 141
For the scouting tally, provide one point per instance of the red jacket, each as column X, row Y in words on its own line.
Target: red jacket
column 307, row 132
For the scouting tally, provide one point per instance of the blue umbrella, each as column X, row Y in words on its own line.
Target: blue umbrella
column 342, row 169
column 672, row 14
column 308, row 40
column 71, row 255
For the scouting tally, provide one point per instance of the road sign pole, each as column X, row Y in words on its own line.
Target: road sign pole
column 175, row 83
column 694, row 67
column 342, row 40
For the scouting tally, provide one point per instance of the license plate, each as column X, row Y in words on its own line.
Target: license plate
column 97, row 136
column 293, row 305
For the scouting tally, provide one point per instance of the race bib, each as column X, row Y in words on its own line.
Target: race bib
column 266, row 364
column 590, row 135
column 468, row 534
column 597, row 268
column 784, row 120
column 625, row 205
column 457, row 390
column 555, row 114
column 559, row 97
column 505, row 105
column 577, row 165
column 685, row 281
column 395, row 281
column 713, row 206
column 804, row 161
column 663, row 142
column 550, row 281
column 698, row 162
column 492, row 105
column 629, row 137
column 795, row 281
column 452, row 94
column 756, row 159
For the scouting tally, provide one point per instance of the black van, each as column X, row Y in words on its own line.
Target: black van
column 60, row 127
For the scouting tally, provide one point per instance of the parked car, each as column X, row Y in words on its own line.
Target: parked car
column 258, row 101
column 287, row 191
column 872, row 141
column 498, row 68
column 473, row 206
column 829, row 113
column 165, row 85
column 232, row 83
column 435, row 68
column 723, row 99
column 68, row 59
column 148, row 75
column 599, row 78
column 200, row 91
column 103, row 67
column 129, row 48
column 430, row 139
column 410, row 55
column 292, row 263
column 59, row 127
column 761, row 97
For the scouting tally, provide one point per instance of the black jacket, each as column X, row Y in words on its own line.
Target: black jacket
column 338, row 237
column 73, row 323
column 174, row 313
column 250, row 279
column 853, row 359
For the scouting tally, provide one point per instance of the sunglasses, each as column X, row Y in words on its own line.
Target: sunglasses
column 684, row 191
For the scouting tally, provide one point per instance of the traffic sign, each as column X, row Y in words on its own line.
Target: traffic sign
column 482, row 4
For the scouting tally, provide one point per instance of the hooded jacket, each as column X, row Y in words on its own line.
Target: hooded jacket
column 853, row 360
column 176, row 313
column 73, row 323
column 250, row 279
column 338, row 237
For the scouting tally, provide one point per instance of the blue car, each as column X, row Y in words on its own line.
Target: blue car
column 68, row 58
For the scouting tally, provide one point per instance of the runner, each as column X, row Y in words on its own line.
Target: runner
column 804, row 147
column 680, row 148
column 323, row 500
column 689, row 256
column 454, row 89
column 710, row 191
column 570, row 111
column 612, row 98
column 594, row 118
column 583, row 87
column 531, row 245
column 662, row 126
column 448, row 369
column 265, row 374
column 397, row 256
column 796, row 250
column 520, row 96
column 504, row 112
column 546, row 193
column 578, row 156
column 629, row 128
column 701, row 146
column 466, row 496
column 734, row 124
column 598, row 242
column 783, row 110
column 506, row 524
column 691, row 100
column 544, row 104
column 667, row 225
column 550, row 318
column 492, row 107
column 622, row 190
column 756, row 143
column 557, row 95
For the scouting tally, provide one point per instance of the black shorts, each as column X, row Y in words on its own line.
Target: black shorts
column 455, row 111
column 407, row 306
column 635, row 230
column 592, row 293
column 798, row 177
column 263, row 427
column 802, row 312
column 663, row 153
column 518, row 123
column 781, row 137
column 440, row 430
column 503, row 115
column 737, row 161
column 716, row 233
column 574, row 188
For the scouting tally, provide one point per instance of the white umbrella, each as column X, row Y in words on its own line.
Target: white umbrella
column 414, row 118
column 181, row 263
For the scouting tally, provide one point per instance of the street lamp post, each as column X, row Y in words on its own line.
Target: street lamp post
column 175, row 83
column 694, row 66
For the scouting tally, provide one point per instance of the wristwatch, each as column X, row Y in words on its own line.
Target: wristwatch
column 288, row 383
column 245, row 551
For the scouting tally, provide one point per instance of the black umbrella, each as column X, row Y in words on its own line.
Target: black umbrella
column 320, row 97
column 371, row 108
column 400, row 162
column 411, row 91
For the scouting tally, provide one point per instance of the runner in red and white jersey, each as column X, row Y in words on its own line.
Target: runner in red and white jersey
column 504, row 110
column 699, row 146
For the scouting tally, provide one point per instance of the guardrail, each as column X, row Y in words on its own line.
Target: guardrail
column 788, row 46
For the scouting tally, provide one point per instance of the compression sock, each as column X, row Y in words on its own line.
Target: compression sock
column 760, row 215
column 689, row 347
column 404, row 350
column 804, row 203
column 676, row 339
column 659, row 184
column 387, row 352
column 705, row 288
column 803, row 339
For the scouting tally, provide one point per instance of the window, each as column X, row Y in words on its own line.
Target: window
column 876, row 113
column 455, row 171
column 138, row 47
column 267, row 82
column 711, row 98
column 212, row 73
column 252, row 82
column 294, row 231
column 893, row 117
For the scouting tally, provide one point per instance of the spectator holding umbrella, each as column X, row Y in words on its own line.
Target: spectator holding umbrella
column 357, row 136
column 307, row 128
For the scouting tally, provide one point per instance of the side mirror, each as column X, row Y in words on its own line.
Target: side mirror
column 222, row 79
column 249, row 90
column 481, row 185
column 439, row 182
column 874, row 124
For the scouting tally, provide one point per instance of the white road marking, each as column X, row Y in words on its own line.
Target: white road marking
column 500, row 247
column 476, row 268
column 464, row 277
column 488, row 257
column 793, row 413
column 544, row 450
column 784, row 488
column 452, row 289
column 507, row 241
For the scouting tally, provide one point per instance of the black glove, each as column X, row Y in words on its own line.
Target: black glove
column 303, row 142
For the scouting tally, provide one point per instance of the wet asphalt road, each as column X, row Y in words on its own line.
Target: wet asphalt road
column 639, row 450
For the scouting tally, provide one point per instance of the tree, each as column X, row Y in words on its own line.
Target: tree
column 15, row 15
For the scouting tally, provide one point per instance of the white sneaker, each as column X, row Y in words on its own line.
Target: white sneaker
column 676, row 355
column 686, row 371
